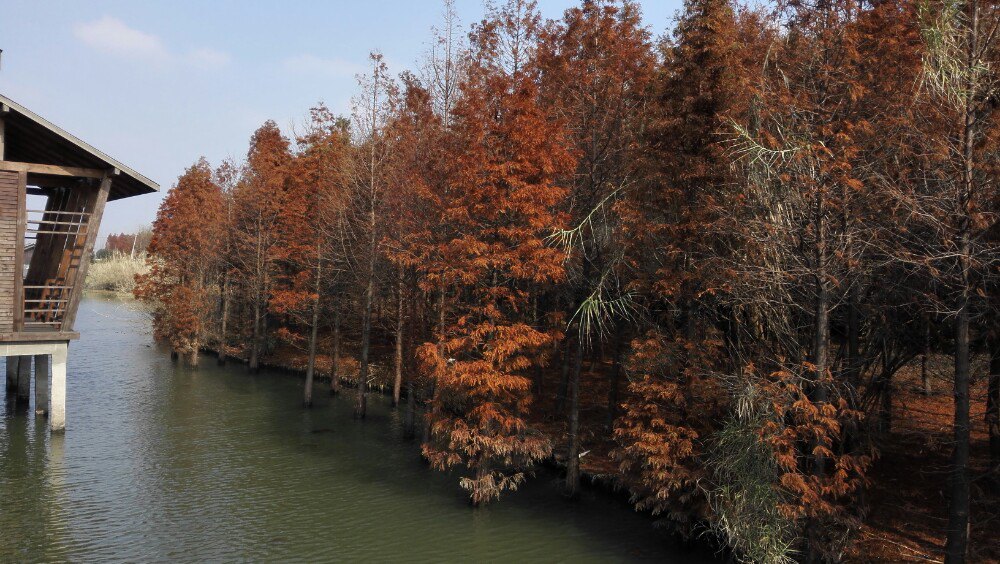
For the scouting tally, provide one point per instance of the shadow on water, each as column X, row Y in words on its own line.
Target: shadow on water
column 166, row 462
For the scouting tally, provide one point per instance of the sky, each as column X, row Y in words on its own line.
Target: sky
column 157, row 85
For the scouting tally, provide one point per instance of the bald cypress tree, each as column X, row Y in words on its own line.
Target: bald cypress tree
column 597, row 64
column 679, row 213
column 185, row 258
column 503, row 202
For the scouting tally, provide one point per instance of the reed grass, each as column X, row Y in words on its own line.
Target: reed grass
column 116, row 273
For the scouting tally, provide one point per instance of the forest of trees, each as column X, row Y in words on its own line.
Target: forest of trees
column 130, row 244
column 709, row 258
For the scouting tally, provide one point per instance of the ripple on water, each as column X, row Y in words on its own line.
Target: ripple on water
column 166, row 463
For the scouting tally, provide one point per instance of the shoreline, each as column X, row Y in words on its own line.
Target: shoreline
column 606, row 484
column 877, row 537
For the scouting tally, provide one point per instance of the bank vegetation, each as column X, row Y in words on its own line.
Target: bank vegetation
column 742, row 270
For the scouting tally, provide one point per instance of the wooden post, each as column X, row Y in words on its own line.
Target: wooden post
column 22, row 223
column 57, row 411
column 94, row 223
column 41, row 384
column 24, row 380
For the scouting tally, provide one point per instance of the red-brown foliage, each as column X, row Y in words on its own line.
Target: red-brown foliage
column 184, row 258
column 502, row 205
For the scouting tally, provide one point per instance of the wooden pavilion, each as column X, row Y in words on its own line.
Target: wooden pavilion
column 40, row 292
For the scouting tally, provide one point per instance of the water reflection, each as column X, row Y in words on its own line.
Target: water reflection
column 164, row 462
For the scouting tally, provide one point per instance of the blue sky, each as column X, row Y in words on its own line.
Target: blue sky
column 159, row 84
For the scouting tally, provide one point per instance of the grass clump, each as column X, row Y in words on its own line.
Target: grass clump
column 116, row 273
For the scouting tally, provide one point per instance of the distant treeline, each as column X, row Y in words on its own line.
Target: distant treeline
column 132, row 244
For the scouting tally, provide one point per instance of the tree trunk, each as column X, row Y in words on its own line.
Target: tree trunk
column 616, row 372
column 597, row 355
column 572, row 486
column 478, row 496
column 993, row 407
column 361, row 406
column 956, row 547
column 853, row 343
column 821, row 322
column 425, row 436
column 409, row 419
column 307, row 394
column 397, row 383
column 224, row 330
column 538, row 359
column 442, row 317
column 820, row 350
column 335, row 369
column 925, row 378
column 564, row 379
column 255, row 340
column 957, row 541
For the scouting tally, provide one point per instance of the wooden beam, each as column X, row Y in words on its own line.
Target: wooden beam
column 54, row 170
column 96, row 211
column 3, row 138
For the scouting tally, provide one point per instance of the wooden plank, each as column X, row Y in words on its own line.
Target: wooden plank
column 53, row 170
column 53, row 222
column 96, row 211
column 22, row 217
column 47, row 232
column 62, row 212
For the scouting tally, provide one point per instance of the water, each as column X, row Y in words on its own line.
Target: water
column 166, row 463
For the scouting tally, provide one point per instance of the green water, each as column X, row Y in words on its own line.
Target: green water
column 166, row 463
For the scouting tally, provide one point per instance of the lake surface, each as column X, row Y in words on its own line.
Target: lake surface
column 161, row 462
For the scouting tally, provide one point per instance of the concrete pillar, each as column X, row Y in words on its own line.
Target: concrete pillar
column 24, row 380
column 41, row 384
column 57, row 409
column 11, row 362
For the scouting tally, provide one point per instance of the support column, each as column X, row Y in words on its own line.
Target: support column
column 11, row 362
column 24, row 380
column 57, row 410
column 42, row 384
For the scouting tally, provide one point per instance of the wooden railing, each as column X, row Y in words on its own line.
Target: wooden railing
column 48, row 309
column 44, row 306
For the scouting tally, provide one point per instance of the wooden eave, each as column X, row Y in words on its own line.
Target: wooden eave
column 31, row 140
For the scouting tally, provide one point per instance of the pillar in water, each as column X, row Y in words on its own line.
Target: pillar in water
column 42, row 384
